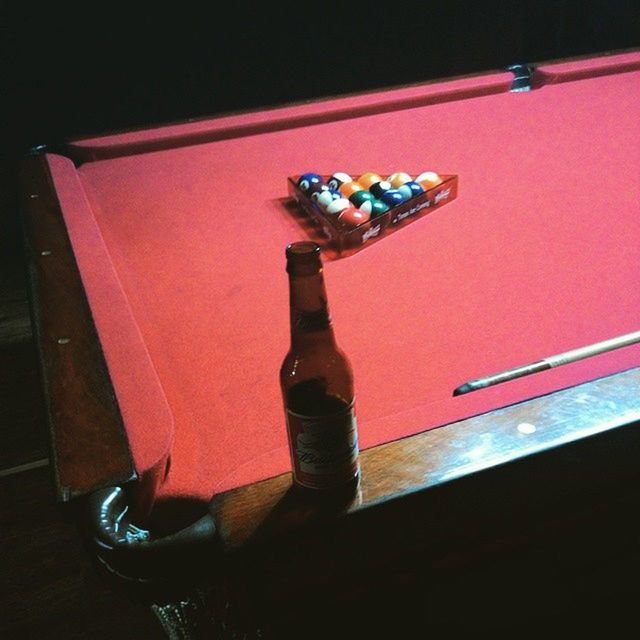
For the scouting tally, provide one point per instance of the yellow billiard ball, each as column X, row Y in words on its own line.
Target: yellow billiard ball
column 398, row 179
column 428, row 180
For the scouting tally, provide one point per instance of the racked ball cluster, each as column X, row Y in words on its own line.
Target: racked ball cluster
column 351, row 202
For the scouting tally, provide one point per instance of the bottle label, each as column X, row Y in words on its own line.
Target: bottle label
column 324, row 449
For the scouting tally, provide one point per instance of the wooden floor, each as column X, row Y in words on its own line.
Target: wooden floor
column 48, row 588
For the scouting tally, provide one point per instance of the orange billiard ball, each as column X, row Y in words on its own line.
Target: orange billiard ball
column 347, row 189
column 368, row 179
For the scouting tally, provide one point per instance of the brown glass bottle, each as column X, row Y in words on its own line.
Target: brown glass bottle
column 317, row 382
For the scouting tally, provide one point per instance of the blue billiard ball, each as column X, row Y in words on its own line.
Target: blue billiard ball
column 392, row 197
column 308, row 180
column 410, row 189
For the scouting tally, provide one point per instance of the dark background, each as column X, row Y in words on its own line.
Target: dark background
column 85, row 71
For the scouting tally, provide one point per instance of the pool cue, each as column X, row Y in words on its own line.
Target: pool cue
column 549, row 363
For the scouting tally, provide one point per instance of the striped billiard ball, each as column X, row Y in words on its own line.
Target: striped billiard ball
column 325, row 197
column 338, row 179
column 410, row 189
column 374, row 207
column 335, row 207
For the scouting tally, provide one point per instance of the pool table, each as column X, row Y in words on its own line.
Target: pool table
column 160, row 303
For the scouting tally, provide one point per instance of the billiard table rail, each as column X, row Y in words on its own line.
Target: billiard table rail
column 514, row 78
column 67, row 342
column 495, row 472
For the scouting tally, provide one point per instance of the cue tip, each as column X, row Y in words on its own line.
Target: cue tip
column 462, row 389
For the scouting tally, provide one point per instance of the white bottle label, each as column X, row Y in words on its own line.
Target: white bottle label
column 324, row 449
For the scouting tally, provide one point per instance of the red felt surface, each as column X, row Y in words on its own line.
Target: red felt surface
column 539, row 254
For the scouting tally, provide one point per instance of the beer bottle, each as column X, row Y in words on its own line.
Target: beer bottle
column 317, row 382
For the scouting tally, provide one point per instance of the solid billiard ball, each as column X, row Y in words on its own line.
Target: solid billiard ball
column 379, row 188
column 393, row 197
column 306, row 181
column 398, row 179
column 428, row 180
column 352, row 217
column 337, row 206
column 359, row 197
column 374, row 207
column 410, row 189
column 325, row 197
column 369, row 178
column 347, row 189
column 416, row 187
column 338, row 179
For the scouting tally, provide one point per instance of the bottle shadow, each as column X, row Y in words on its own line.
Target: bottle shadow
column 299, row 508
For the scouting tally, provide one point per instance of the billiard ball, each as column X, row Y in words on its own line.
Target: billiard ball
column 428, row 180
column 374, row 207
column 306, row 180
column 410, row 189
column 379, row 188
column 359, row 197
column 315, row 187
column 393, row 197
column 416, row 187
column 352, row 217
column 337, row 206
column 369, row 178
column 398, row 179
column 325, row 197
column 338, row 179
column 347, row 189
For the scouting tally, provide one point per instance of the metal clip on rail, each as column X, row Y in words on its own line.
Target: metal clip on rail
column 522, row 77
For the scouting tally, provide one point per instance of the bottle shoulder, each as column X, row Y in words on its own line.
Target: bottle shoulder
column 319, row 355
column 300, row 365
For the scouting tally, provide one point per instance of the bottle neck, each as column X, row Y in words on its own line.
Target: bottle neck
column 310, row 320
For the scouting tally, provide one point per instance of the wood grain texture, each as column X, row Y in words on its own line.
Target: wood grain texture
column 429, row 531
column 89, row 442
column 607, row 410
